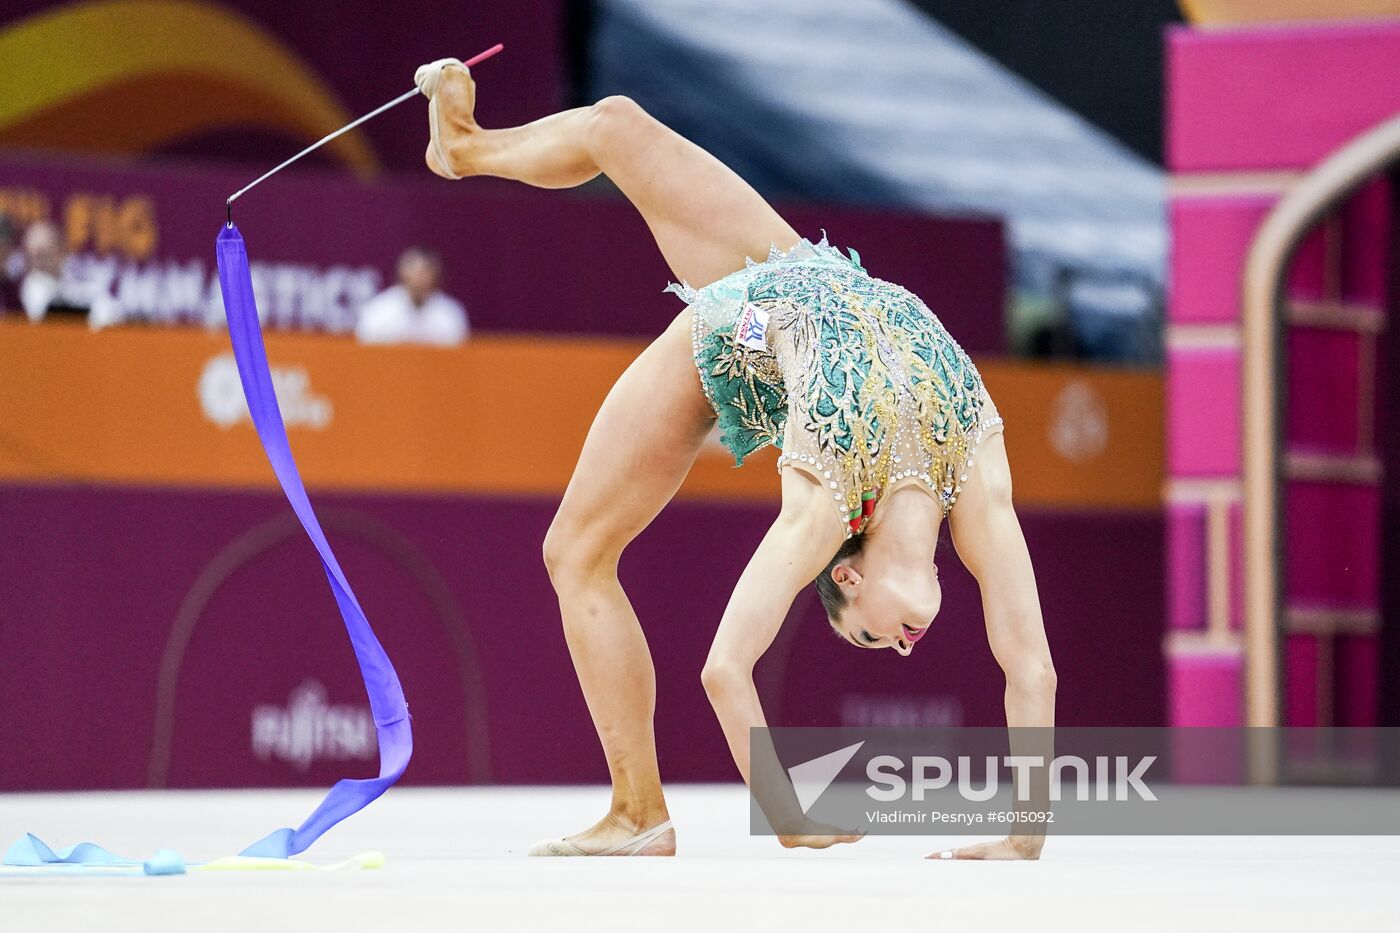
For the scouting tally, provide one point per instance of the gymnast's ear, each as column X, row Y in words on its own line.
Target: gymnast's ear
column 839, row 577
column 845, row 575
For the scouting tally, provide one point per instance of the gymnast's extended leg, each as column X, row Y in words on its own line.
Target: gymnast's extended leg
column 704, row 217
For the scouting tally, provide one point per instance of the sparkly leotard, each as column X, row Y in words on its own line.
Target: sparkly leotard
column 853, row 378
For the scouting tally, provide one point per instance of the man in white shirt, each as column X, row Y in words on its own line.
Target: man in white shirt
column 413, row 311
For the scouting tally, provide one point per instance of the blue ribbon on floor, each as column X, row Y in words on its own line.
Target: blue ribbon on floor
column 386, row 700
column 30, row 851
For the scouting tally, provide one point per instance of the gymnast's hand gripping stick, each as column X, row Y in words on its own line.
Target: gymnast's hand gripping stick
column 228, row 205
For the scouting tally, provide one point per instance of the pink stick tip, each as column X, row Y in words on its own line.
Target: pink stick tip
column 484, row 55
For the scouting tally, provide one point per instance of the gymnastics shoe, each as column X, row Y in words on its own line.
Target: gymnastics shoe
column 633, row 846
column 426, row 78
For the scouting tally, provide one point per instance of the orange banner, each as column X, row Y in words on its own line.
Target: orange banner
column 504, row 415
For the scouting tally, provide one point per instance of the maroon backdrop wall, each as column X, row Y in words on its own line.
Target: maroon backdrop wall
column 166, row 638
column 519, row 259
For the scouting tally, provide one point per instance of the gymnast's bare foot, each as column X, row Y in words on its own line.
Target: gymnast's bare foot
column 612, row 835
column 452, row 121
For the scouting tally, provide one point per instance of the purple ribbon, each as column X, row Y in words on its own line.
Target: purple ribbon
column 386, row 701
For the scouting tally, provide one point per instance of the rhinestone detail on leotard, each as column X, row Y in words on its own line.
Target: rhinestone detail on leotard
column 854, row 378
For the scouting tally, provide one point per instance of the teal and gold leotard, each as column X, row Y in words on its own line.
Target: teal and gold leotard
column 852, row 377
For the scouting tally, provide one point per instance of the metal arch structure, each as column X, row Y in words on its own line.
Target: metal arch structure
column 1266, row 266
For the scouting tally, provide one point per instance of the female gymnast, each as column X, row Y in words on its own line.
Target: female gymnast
column 880, row 416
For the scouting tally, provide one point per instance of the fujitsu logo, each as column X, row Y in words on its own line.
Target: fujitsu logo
column 309, row 729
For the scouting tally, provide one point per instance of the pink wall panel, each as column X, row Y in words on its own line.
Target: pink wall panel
column 1276, row 96
column 1210, row 238
column 1366, row 239
column 1205, row 690
column 1323, row 383
column 1332, row 553
column 1186, row 566
column 1307, row 274
column 1236, row 566
column 1256, row 99
column 1360, row 233
column 1358, row 687
column 1300, row 660
column 1203, row 413
column 1209, row 759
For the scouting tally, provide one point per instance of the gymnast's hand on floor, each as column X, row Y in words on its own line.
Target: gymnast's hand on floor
column 1010, row 849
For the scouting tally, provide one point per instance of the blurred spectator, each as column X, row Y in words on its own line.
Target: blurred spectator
column 43, row 254
column 11, row 266
column 50, row 288
column 414, row 311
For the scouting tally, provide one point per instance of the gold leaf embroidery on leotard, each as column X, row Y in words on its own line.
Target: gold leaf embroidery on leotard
column 858, row 382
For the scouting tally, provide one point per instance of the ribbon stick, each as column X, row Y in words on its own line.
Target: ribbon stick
column 386, row 700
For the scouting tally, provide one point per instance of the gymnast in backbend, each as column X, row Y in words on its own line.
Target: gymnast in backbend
column 880, row 415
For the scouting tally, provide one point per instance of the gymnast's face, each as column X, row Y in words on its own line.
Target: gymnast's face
column 886, row 608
